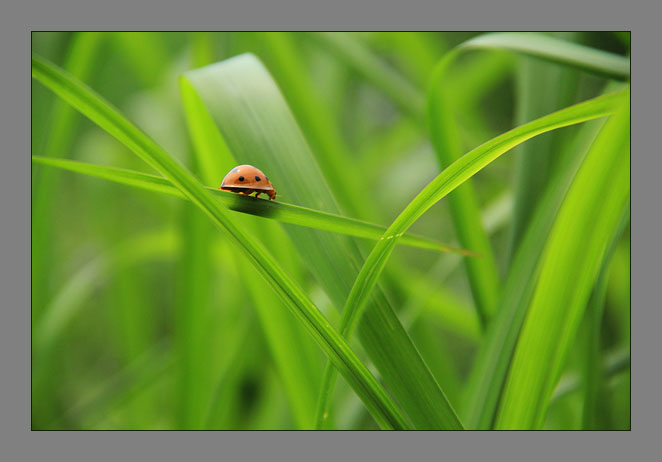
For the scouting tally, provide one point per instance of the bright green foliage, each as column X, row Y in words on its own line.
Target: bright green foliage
column 222, row 311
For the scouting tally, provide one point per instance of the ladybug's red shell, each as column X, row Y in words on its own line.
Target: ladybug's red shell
column 246, row 179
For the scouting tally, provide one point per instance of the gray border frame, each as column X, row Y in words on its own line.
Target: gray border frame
column 16, row 440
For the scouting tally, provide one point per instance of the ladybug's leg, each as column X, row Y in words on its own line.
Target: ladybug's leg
column 257, row 194
column 272, row 194
column 247, row 192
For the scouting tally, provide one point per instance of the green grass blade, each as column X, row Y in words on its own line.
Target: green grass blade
column 99, row 111
column 586, row 221
column 493, row 359
column 555, row 50
column 483, row 274
column 259, row 128
column 279, row 211
column 455, row 175
column 451, row 178
column 448, row 180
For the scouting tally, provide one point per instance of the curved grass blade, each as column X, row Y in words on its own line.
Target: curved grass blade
column 483, row 275
column 102, row 113
column 280, row 211
column 572, row 257
column 445, row 135
column 258, row 126
column 453, row 176
column 447, row 181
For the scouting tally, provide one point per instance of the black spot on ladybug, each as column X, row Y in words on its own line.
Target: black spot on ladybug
column 257, row 178
column 241, row 178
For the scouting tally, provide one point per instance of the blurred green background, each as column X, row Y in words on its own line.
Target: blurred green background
column 144, row 316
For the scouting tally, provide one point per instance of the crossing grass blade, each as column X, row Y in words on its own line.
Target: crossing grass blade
column 451, row 178
column 107, row 117
column 572, row 257
column 445, row 134
column 455, row 175
column 276, row 210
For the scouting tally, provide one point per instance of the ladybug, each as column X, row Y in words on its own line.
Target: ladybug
column 246, row 180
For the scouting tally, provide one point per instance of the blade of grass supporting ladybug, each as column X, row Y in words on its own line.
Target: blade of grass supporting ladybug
column 99, row 111
column 276, row 210
column 493, row 358
column 259, row 128
column 586, row 221
column 455, row 175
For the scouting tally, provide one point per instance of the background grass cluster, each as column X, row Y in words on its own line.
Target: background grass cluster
column 153, row 312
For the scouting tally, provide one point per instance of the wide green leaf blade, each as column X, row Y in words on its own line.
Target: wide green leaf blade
column 107, row 117
column 279, row 211
column 572, row 257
